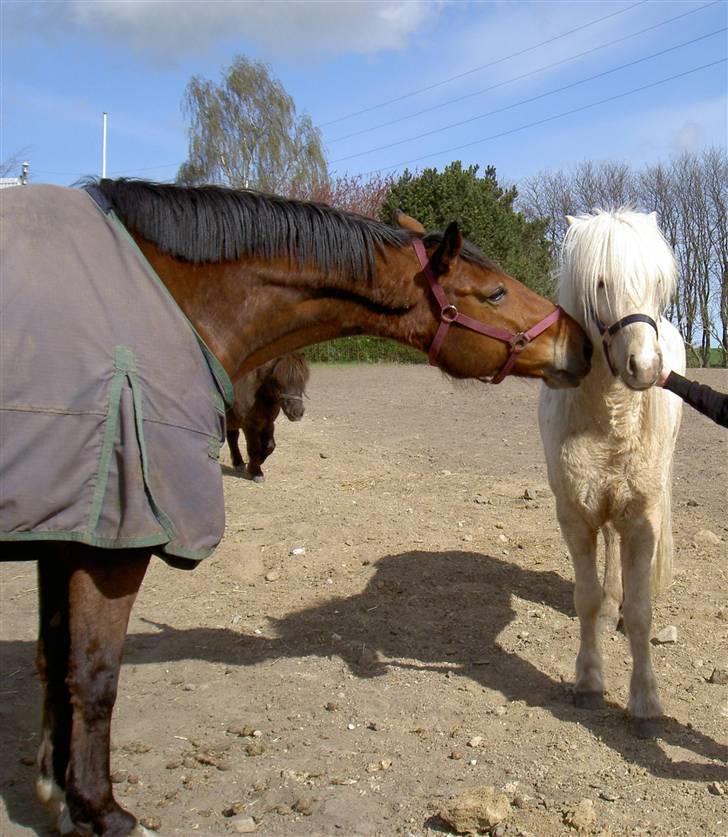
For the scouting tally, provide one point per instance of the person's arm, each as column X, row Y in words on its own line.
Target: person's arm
column 701, row 397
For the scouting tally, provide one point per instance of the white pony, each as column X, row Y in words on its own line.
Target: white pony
column 609, row 443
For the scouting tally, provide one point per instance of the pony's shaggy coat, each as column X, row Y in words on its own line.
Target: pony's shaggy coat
column 609, row 448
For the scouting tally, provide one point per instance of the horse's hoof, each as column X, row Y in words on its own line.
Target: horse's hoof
column 64, row 824
column 588, row 700
column 647, row 728
column 50, row 795
column 140, row 831
column 258, row 478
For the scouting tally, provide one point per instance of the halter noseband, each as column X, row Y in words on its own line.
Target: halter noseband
column 607, row 332
column 450, row 315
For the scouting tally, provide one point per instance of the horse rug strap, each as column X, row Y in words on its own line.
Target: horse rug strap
column 111, row 407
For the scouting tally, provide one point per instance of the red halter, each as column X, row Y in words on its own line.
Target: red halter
column 449, row 315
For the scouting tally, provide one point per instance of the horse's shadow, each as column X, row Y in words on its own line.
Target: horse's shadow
column 435, row 608
column 441, row 608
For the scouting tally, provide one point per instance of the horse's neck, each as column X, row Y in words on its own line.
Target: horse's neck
column 248, row 313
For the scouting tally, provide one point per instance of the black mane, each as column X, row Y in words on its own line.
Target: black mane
column 213, row 224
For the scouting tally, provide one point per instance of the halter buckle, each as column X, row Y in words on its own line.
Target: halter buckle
column 449, row 314
column 519, row 342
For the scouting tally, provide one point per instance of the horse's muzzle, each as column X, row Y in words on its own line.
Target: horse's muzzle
column 576, row 365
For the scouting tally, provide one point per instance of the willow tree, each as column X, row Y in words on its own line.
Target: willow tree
column 245, row 133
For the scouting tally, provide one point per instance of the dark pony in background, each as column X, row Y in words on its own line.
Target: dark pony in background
column 260, row 396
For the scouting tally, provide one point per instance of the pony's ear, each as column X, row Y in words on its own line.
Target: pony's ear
column 571, row 219
column 448, row 249
column 653, row 218
column 407, row 222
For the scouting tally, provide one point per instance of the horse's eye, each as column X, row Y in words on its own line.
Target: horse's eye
column 497, row 296
column 600, row 284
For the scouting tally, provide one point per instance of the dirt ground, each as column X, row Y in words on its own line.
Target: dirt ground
column 422, row 645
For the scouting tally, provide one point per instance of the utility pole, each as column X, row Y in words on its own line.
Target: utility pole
column 24, row 174
column 103, row 145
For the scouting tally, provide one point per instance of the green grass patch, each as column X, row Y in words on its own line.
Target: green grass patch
column 362, row 349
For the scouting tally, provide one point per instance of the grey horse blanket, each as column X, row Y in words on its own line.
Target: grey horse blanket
column 111, row 407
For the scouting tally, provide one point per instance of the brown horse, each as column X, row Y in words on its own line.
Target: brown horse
column 257, row 276
column 260, row 395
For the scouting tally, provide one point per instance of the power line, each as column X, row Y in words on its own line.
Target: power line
column 482, row 66
column 548, row 118
column 529, row 74
column 530, row 99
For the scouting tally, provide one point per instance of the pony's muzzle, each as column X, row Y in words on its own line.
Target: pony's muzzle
column 642, row 370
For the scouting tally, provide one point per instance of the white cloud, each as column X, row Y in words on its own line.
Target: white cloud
column 281, row 28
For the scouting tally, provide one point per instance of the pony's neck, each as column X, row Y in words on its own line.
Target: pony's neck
column 250, row 312
column 613, row 408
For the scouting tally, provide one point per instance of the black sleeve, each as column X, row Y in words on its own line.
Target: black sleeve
column 701, row 397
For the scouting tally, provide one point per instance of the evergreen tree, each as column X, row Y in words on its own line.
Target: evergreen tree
column 484, row 210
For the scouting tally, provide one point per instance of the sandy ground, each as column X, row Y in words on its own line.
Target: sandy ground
column 423, row 644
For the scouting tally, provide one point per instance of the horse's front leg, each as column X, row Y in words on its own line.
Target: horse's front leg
column 101, row 591
column 639, row 541
column 581, row 539
column 52, row 663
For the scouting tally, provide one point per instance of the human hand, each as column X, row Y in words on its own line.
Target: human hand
column 662, row 377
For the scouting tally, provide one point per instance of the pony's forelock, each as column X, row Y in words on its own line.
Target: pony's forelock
column 625, row 249
column 291, row 371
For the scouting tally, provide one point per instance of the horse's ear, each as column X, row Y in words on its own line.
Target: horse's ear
column 571, row 219
column 448, row 249
column 653, row 218
column 407, row 222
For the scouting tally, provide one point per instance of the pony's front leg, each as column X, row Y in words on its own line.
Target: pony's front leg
column 235, row 455
column 260, row 444
column 582, row 542
column 613, row 594
column 102, row 588
column 639, row 538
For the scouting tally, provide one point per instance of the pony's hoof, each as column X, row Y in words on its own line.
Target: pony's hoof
column 258, row 478
column 611, row 622
column 588, row 700
column 647, row 728
column 239, row 469
column 140, row 831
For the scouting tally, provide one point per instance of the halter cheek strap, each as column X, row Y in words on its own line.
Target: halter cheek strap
column 607, row 332
column 449, row 315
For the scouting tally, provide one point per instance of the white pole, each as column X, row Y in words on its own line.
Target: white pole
column 103, row 146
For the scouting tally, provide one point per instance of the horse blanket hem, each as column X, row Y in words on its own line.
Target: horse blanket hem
column 169, row 552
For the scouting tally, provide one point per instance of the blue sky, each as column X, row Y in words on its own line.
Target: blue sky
column 370, row 74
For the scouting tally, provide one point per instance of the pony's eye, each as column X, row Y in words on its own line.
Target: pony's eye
column 600, row 284
column 497, row 296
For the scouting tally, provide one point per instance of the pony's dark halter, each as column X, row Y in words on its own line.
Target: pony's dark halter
column 607, row 332
column 450, row 315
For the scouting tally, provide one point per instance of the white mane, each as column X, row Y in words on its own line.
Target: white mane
column 625, row 249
